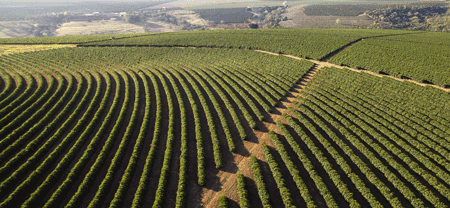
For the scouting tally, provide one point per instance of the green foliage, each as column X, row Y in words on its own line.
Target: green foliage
column 72, row 116
column 132, row 19
column 242, row 191
column 259, row 180
column 295, row 174
column 417, row 56
column 329, row 199
column 223, row 201
column 284, row 191
column 68, row 39
column 144, row 180
column 365, row 110
column 313, row 43
column 169, row 143
column 37, row 172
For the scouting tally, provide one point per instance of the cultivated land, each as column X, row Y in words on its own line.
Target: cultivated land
column 272, row 118
column 298, row 19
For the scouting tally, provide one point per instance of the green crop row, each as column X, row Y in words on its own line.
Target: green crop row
column 389, row 139
column 52, row 157
column 223, row 122
column 18, row 103
column 19, row 110
column 284, row 191
column 345, row 166
column 361, row 115
column 131, row 166
column 295, row 174
column 373, row 156
column 256, row 82
column 198, row 133
column 308, row 165
column 144, row 179
column 71, row 125
column 180, row 199
column 323, row 111
column 314, row 43
column 35, row 113
column 68, row 39
column 170, row 139
column 223, row 201
column 82, row 189
column 250, row 89
column 21, row 83
column 236, row 120
column 403, row 138
column 212, row 127
column 115, row 163
column 69, row 156
column 242, row 191
column 331, row 172
column 259, row 180
column 181, row 191
column 424, row 119
column 419, row 61
column 90, row 150
column 7, row 82
column 404, row 172
column 33, row 145
column 223, row 84
column 166, row 163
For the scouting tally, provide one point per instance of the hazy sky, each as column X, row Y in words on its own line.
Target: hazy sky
column 21, row 3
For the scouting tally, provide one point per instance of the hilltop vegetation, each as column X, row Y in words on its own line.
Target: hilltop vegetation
column 413, row 17
column 433, row 16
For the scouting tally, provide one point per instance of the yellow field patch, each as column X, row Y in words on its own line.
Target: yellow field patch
column 11, row 49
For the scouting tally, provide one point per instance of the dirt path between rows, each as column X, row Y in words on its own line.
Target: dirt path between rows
column 228, row 184
column 321, row 64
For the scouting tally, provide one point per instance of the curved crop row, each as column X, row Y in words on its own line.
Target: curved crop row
column 292, row 169
column 262, row 190
column 284, row 192
column 415, row 167
column 143, row 180
column 25, row 185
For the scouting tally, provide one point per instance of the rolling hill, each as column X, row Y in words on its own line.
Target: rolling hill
column 242, row 118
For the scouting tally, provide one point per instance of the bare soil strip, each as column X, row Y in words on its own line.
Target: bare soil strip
column 227, row 184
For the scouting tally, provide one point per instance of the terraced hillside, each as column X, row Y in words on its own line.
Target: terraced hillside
column 165, row 120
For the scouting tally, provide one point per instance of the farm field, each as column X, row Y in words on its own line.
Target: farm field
column 298, row 42
column 67, row 39
column 166, row 120
column 298, row 19
column 12, row 49
column 414, row 56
